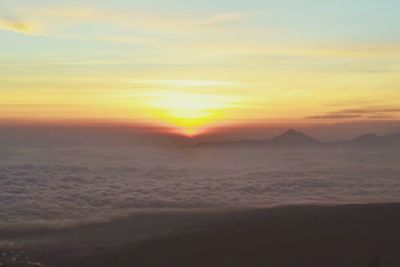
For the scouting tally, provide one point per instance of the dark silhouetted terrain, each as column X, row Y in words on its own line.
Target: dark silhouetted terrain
column 295, row 139
column 312, row 236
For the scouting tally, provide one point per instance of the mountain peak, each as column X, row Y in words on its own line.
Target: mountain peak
column 366, row 137
column 373, row 140
column 291, row 132
column 293, row 137
column 370, row 135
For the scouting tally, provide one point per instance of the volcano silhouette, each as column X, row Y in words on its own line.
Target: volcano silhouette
column 292, row 138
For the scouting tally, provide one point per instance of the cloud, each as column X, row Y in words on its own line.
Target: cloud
column 187, row 83
column 334, row 116
column 371, row 110
column 361, row 113
column 255, row 46
column 18, row 26
column 128, row 26
column 126, row 39
column 134, row 18
column 64, row 187
column 32, row 28
column 224, row 18
column 74, row 12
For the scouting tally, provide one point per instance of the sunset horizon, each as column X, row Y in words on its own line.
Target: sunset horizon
column 189, row 68
column 195, row 133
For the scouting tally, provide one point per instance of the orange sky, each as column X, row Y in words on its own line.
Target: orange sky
column 192, row 68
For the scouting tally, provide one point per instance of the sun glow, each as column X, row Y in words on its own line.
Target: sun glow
column 189, row 112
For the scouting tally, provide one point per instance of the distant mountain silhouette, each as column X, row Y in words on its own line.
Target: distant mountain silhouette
column 293, row 138
column 372, row 140
column 290, row 138
column 365, row 140
column 393, row 139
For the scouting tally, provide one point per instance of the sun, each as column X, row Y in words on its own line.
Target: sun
column 189, row 112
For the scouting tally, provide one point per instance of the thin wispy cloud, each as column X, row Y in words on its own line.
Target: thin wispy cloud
column 18, row 26
column 127, row 26
column 359, row 113
column 126, row 39
column 224, row 18
column 334, row 117
column 279, row 61
column 185, row 83
column 116, row 26
column 300, row 51
column 139, row 19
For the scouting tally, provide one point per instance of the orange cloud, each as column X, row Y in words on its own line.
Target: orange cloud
column 359, row 113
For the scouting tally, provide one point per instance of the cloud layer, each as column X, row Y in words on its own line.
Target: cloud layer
column 67, row 187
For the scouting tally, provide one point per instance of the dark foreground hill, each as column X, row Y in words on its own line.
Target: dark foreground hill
column 310, row 236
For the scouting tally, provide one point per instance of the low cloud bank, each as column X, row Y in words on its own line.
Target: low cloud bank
column 66, row 187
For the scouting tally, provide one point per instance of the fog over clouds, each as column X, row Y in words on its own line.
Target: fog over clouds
column 64, row 187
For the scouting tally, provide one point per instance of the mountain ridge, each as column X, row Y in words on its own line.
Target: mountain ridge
column 293, row 138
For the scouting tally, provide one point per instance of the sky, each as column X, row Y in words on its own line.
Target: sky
column 190, row 66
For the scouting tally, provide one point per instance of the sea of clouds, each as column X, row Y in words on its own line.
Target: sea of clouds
column 64, row 187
